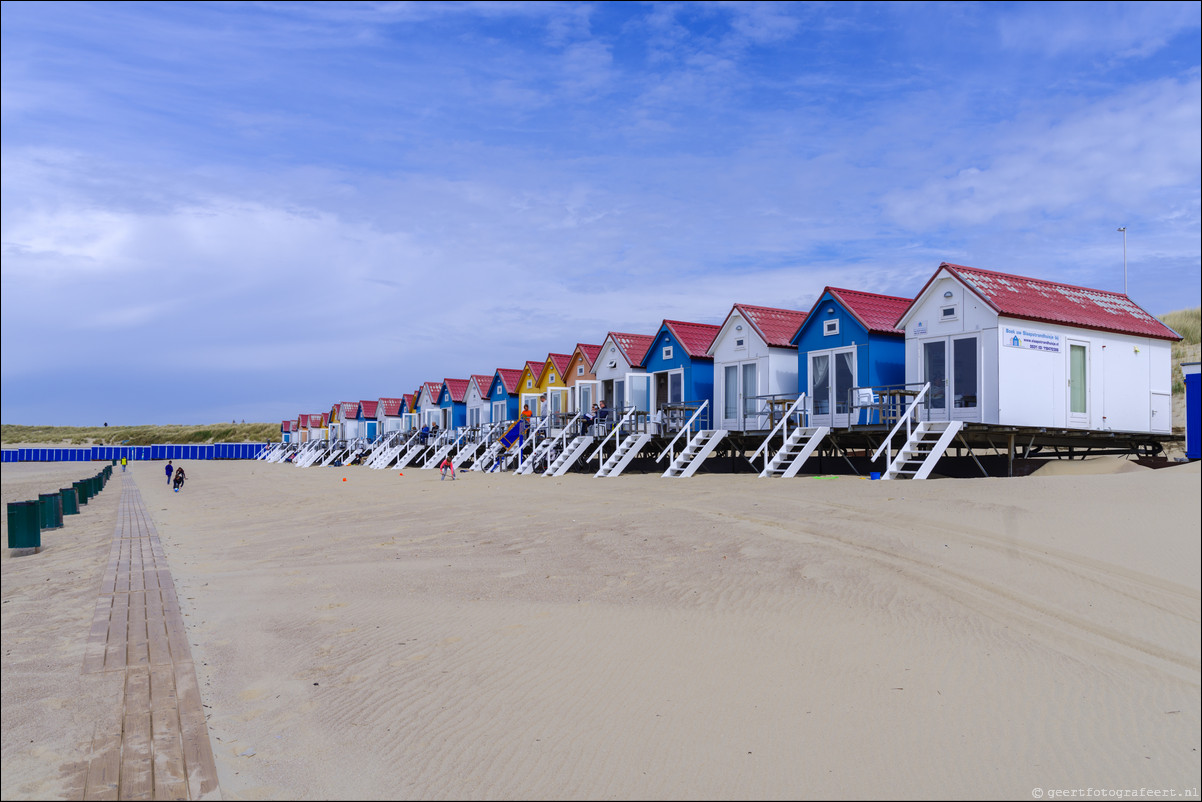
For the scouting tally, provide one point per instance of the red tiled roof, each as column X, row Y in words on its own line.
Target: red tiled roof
column 536, row 367
column 510, row 378
column 776, row 327
column 318, row 420
column 557, row 361
column 1048, row 301
column 634, row 346
column 302, row 421
column 433, row 390
column 389, row 407
column 879, row 313
column 695, row 338
column 590, row 354
column 345, row 410
column 482, row 384
column 457, row 388
column 286, row 426
column 368, row 409
column 409, row 399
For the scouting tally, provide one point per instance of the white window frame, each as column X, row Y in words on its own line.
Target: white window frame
column 830, row 327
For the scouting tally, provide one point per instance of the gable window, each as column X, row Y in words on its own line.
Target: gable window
column 667, row 352
column 947, row 313
column 830, row 327
column 529, row 383
column 740, row 342
column 580, row 370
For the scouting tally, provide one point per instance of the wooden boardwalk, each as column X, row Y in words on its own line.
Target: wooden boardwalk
column 157, row 746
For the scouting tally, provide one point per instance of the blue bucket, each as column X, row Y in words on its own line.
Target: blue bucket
column 874, row 475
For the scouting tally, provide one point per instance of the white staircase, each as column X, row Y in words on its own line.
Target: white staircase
column 698, row 445
column 701, row 444
column 335, row 451
column 313, row 451
column 440, row 450
column 570, row 454
column 925, row 442
column 384, row 456
column 489, row 459
column 798, row 447
column 414, row 450
column 626, row 451
column 540, row 454
column 923, row 448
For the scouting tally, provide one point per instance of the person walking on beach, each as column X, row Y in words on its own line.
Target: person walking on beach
column 170, row 470
column 123, row 465
column 447, row 467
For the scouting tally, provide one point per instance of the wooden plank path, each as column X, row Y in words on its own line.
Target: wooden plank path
column 157, row 745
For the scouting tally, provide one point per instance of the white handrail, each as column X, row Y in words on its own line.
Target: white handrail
column 783, row 422
column 905, row 418
column 683, row 429
column 614, row 433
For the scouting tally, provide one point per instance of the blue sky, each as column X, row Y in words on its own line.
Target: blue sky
column 224, row 211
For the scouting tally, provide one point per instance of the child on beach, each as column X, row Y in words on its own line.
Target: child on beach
column 447, row 467
column 179, row 479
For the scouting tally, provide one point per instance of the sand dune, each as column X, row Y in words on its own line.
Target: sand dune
column 716, row 637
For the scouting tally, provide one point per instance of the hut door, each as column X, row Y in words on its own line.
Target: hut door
column 1078, row 383
column 584, row 395
column 965, row 403
column 638, row 392
column 832, row 375
column 934, row 371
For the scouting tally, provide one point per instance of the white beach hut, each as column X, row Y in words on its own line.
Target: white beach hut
column 1006, row 349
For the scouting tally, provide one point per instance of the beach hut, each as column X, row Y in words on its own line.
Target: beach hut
column 583, row 387
column 318, row 428
column 552, row 387
column 755, row 364
column 1007, row 349
column 528, row 385
column 286, row 431
column 344, row 421
column 452, row 401
column 477, row 403
column 389, row 413
column 369, row 424
column 849, row 340
column 426, row 404
column 679, row 371
column 621, row 357
column 503, row 394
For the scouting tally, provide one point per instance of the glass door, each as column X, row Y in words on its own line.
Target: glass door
column 965, row 382
column 1078, row 383
column 934, row 371
column 820, row 389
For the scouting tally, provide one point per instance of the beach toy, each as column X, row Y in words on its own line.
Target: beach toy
column 344, row 478
column 177, row 490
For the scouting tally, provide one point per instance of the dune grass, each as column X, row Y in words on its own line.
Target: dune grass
column 141, row 435
column 1187, row 323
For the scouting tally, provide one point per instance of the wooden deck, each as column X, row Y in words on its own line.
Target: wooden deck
column 157, row 745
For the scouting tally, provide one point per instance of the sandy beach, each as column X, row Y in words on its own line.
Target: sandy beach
column 718, row 637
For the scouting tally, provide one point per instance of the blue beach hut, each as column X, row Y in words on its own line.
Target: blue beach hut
column 849, row 340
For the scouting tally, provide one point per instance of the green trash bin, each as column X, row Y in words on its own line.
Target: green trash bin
column 70, row 500
column 51, row 506
column 24, row 531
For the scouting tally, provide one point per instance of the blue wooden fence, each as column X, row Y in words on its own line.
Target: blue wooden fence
column 133, row 453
